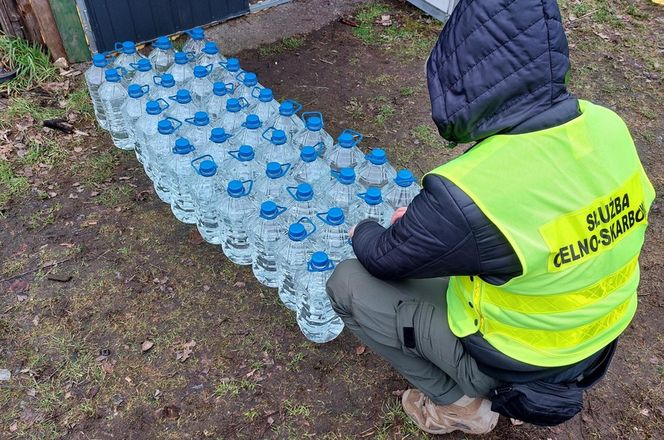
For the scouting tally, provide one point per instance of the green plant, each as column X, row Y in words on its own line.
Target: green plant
column 11, row 185
column 385, row 112
column 287, row 43
column 32, row 65
column 365, row 16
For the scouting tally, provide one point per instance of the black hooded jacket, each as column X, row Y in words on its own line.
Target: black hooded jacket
column 498, row 67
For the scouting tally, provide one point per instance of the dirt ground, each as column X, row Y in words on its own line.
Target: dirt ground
column 117, row 322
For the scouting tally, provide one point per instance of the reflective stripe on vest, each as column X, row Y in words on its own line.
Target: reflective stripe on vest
column 572, row 201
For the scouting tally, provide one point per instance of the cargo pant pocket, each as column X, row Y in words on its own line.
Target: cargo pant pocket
column 413, row 324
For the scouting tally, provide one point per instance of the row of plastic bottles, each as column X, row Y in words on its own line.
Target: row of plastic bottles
column 271, row 188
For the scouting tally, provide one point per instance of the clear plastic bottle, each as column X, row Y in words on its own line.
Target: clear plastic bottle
column 179, row 180
column 286, row 119
column 344, row 190
column 317, row 320
column 160, row 156
column 376, row 171
column 112, row 95
column 196, row 41
column 273, row 185
column 198, row 130
column 128, row 56
column 228, row 73
column 143, row 73
column 182, row 105
column 402, row 189
column 200, row 86
column 218, row 145
column 210, row 54
column 333, row 235
column 292, row 260
column 311, row 168
column 236, row 213
column 182, row 70
column 234, row 115
column 313, row 133
column 216, row 103
column 264, row 106
column 371, row 207
column 133, row 108
column 303, row 202
column 206, row 192
column 267, row 233
column 94, row 78
column 248, row 82
column 249, row 133
column 162, row 55
column 345, row 153
column 240, row 165
column 146, row 128
column 274, row 147
column 164, row 86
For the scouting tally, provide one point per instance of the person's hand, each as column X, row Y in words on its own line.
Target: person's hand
column 351, row 231
column 398, row 213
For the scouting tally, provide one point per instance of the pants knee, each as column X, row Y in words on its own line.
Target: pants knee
column 339, row 288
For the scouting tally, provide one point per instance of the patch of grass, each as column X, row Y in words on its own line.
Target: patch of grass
column 11, row 185
column 385, row 112
column 31, row 63
column 406, row 91
column 251, row 415
column 44, row 217
column 20, row 106
column 355, row 108
column 48, row 152
column 395, row 420
column 365, row 16
column 79, row 101
column 97, row 168
column 233, row 387
column 294, row 410
column 116, row 196
column 427, row 136
column 286, row 44
column 294, row 364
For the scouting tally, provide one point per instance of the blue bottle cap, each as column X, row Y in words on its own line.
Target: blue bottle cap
column 181, row 58
column 297, row 232
column 320, row 261
column 112, row 75
column 201, row 119
column 165, row 126
column 183, row 146
column 135, row 91
column 265, row 95
column 167, row 81
column 152, row 108
column 404, row 178
column 373, row 196
column 208, row 168
column 269, row 210
column 233, row 65
column 200, row 71
column 346, row 140
column 308, row 154
column 233, row 105
column 143, row 65
column 304, row 192
column 197, row 33
column 274, row 170
column 128, row 47
column 314, row 123
column 278, row 137
column 235, row 188
column 183, row 96
column 210, row 48
column 163, row 43
column 219, row 89
column 250, row 79
column 377, row 156
column 99, row 60
column 245, row 153
column 218, row 135
column 253, row 122
column 347, row 176
column 287, row 109
column 335, row 216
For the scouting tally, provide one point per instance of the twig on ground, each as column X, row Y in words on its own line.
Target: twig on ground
column 27, row 272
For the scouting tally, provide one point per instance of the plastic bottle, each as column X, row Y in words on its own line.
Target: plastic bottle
column 248, row 81
column 293, row 259
column 206, row 193
column 345, row 153
column 160, row 156
column 146, row 128
column 303, row 203
column 200, row 86
column 286, row 119
column 333, row 235
column 143, row 73
column 162, row 55
column 376, row 171
column 112, row 95
column 94, row 78
column 236, row 213
column 402, row 189
column 181, row 70
column 216, row 103
column 198, row 131
column 249, row 133
column 344, row 190
column 273, row 185
column 179, row 181
column 264, row 106
column 240, row 165
column 210, row 54
column 234, row 116
column 311, row 168
column 317, row 320
column 133, row 108
column 196, row 41
column 218, row 145
column 182, row 105
column 313, row 133
column 164, row 86
column 128, row 56
column 372, row 207
column 266, row 236
column 274, row 147
column 228, row 73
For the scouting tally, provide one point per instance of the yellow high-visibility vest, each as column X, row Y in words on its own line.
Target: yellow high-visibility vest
column 573, row 202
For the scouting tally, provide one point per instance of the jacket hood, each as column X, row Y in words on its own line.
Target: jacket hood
column 496, row 64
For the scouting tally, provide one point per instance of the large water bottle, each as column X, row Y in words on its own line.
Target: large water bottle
column 313, row 133
column 333, row 235
column 311, row 168
column 200, row 86
column 292, row 259
column 234, row 116
column 146, row 128
column 265, row 106
column 112, row 95
column 216, row 102
column 273, row 187
column 241, row 165
column 371, row 206
column 206, row 190
column 286, row 119
column 164, row 86
column 236, row 213
column 248, row 81
column 249, row 133
column 162, row 55
column 344, row 189
column 345, row 153
column 181, row 70
column 133, row 108
column 210, row 54
column 274, row 147
column 128, row 56
column 402, row 190
column 182, row 105
column 267, row 234
column 198, row 131
column 143, row 73
column 229, row 71
column 302, row 203
column 196, row 41
column 376, row 171
column 179, row 180
column 315, row 316
column 94, row 78
column 160, row 150
column 217, row 145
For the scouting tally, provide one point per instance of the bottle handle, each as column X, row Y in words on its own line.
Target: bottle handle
column 189, row 32
column 281, row 210
column 290, row 190
column 145, row 88
column 234, row 154
column 117, row 45
column 189, row 120
column 230, row 88
column 190, row 56
column 305, row 220
column 336, row 174
column 306, row 115
column 121, row 71
column 284, row 168
column 296, row 104
column 357, row 136
column 166, row 104
column 363, row 196
column 255, row 92
column 322, row 217
column 209, row 68
column 178, row 123
column 133, row 66
column 243, row 102
column 200, row 159
column 237, row 77
column 247, row 191
column 318, row 148
column 265, row 132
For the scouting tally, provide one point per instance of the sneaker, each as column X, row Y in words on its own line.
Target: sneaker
column 470, row 415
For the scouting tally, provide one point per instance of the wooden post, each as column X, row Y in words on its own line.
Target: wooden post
column 71, row 29
column 10, row 19
column 30, row 24
column 48, row 28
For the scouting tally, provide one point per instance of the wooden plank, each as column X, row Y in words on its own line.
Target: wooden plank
column 30, row 23
column 71, row 30
column 48, row 29
column 10, row 20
